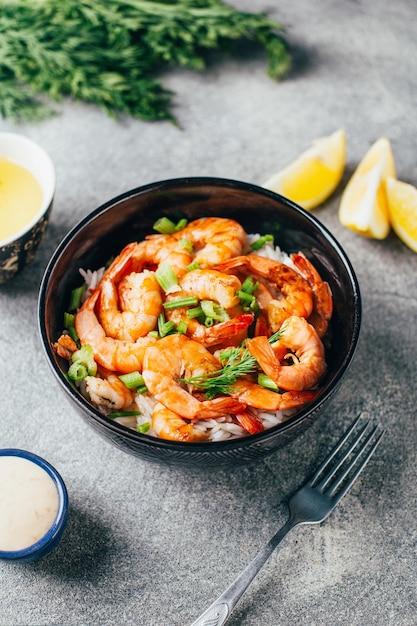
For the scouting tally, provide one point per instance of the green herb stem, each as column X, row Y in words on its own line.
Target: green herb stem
column 76, row 298
column 180, row 303
column 123, row 414
column 132, row 380
column 166, row 277
column 267, row 382
column 111, row 53
column 261, row 241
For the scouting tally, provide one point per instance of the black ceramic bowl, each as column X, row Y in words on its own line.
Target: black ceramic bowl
column 130, row 217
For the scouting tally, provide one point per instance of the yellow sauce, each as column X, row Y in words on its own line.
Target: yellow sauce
column 28, row 503
column 20, row 198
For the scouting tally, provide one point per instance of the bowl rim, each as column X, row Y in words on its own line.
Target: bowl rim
column 53, row 533
column 47, row 193
column 207, row 446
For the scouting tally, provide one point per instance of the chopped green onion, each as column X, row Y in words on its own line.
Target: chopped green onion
column 180, row 303
column 74, row 335
column 249, row 286
column 214, row 310
column 252, row 307
column 143, row 428
column 195, row 312
column 166, row 277
column 142, row 389
column 85, row 356
column 69, row 320
column 243, row 295
column 267, row 382
column 76, row 297
column 181, row 327
column 164, row 328
column 124, row 414
column 209, row 321
column 154, row 334
column 256, row 245
column 182, row 223
column 132, row 380
column 167, row 328
column 164, row 225
column 77, row 371
column 69, row 325
column 193, row 266
column 248, row 301
column 186, row 245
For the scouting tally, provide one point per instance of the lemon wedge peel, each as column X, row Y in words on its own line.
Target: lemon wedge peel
column 402, row 207
column 314, row 175
column 364, row 205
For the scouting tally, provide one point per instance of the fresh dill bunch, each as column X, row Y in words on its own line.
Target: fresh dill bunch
column 111, row 52
column 238, row 362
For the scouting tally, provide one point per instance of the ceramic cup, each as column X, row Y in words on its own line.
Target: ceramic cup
column 33, row 506
column 19, row 249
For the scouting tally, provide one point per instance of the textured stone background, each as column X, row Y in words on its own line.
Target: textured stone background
column 153, row 546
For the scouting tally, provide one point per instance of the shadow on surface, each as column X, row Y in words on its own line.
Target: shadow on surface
column 83, row 550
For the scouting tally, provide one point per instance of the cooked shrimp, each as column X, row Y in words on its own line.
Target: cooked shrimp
column 210, row 285
column 214, row 239
column 129, row 302
column 114, row 354
column 157, row 249
column 259, row 397
column 322, row 295
column 225, row 333
column 294, row 295
column 263, row 297
column 65, row 347
column 169, row 425
column 110, row 392
column 175, row 357
column 300, row 338
column 249, row 422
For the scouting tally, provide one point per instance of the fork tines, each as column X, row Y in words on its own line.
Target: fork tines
column 341, row 472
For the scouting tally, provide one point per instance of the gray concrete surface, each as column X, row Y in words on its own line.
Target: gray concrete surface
column 152, row 546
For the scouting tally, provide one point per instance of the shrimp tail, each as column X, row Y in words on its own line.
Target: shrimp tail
column 262, row 352
column 294, row 399
column 322, row 294
column 250, row 422
column 224, row 330
column 222, row 405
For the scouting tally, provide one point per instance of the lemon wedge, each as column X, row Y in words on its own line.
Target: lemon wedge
column 315, row 174
column 364, row 205
column 402, row 208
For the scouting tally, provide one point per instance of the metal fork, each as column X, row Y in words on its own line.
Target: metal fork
column 311, row 504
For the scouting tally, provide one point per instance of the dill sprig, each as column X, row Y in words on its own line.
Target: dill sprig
column 238, row 362
column 109, row 52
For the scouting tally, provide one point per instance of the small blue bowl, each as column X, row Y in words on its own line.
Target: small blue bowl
column 51, row 538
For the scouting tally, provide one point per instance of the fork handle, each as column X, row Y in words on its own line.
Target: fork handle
column 219, row 612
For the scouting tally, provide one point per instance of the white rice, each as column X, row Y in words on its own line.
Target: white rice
column 221, row 428
column 92, row 279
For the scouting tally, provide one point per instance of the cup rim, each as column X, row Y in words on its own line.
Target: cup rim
column 61, row 515
column 48, row 192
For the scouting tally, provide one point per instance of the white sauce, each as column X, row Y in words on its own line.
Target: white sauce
column 28, row 503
